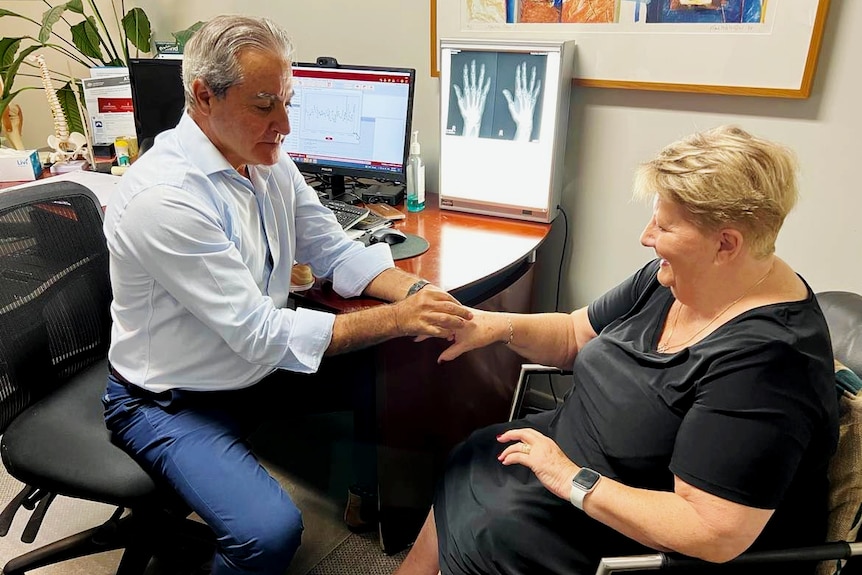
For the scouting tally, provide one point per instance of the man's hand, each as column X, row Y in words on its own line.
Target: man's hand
column 471, row 100
column 431, row 312
column 523, row 104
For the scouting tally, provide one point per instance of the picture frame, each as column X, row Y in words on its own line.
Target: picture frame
column 773, row 57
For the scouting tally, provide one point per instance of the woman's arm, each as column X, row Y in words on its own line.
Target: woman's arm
column 688, row 520
column 551, row 338
column 546, row 338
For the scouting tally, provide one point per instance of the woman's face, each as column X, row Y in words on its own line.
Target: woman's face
column 686, row 251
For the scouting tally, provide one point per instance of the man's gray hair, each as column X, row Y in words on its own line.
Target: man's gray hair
column 212, row 53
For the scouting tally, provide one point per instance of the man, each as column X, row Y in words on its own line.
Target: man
column 202, row 237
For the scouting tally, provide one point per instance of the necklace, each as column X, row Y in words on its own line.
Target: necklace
column 663, row 347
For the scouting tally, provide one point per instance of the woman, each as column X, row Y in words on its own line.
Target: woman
column 703, row 395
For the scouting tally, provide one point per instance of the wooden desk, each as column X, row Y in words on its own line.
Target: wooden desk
column 424, row 409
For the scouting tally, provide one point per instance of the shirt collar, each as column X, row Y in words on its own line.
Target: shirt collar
column 207, row 156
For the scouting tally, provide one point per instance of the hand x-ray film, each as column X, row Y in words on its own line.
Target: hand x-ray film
column 496, row 95
column 504, row 118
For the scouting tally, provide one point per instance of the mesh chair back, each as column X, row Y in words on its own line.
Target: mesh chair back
column 54, row 290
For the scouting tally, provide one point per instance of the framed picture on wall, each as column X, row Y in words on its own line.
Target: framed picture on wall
column 743, row 47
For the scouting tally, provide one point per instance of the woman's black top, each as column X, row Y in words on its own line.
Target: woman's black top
column 748, row 414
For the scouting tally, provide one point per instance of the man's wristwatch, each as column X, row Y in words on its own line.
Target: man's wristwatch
column 416, row 287
column 583, row 483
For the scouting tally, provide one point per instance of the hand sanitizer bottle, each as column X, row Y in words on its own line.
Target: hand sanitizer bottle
column 415, row 177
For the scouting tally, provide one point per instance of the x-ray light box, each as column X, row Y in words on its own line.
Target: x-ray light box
column 504, row 110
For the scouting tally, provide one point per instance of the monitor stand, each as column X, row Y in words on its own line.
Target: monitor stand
column 336, row 188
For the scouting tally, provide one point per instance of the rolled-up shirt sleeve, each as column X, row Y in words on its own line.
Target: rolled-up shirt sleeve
column 309, row 337
column 354, row 274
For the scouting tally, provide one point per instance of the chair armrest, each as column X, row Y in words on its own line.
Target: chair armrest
column 671, row 561
column 649, row 562
column 528, row 369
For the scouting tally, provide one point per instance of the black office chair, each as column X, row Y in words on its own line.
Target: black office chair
column 843, row 311
column 54, row 333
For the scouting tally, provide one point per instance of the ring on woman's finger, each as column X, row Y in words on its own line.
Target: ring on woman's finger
column 525, row 449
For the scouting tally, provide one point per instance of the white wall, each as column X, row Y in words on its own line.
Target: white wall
column 611, row 131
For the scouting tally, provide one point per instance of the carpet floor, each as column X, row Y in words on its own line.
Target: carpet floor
column 359, row 553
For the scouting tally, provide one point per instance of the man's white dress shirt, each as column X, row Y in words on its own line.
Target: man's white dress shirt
column 200, row 262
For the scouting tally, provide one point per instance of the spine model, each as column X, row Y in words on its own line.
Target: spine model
column 66, row 145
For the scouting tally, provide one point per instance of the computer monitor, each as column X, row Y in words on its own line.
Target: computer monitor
column 350, row 121
column 157, row 96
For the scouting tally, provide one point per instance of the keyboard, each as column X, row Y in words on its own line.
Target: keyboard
column 346, row 214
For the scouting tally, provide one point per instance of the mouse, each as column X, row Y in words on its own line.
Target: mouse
column 390, row 236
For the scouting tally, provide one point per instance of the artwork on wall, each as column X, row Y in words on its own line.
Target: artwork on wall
column 745, row 47
column 610, row 11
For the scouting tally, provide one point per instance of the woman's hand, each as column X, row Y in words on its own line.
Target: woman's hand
column 484, row 329
column 542, row 456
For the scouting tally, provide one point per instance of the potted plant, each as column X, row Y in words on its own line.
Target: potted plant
column 89, row 43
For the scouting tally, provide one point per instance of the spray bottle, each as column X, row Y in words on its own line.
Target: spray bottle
column 415, row 177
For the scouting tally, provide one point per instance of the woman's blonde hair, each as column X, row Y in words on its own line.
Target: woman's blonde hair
column 726, row 177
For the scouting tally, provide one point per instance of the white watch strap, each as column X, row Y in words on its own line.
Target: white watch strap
column 576, row 496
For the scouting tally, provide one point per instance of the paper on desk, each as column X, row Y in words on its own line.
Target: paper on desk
column 100, row 184
column 109, row 106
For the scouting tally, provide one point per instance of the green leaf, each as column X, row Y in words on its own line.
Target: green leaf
column 75, row 6
column 137, row 28
column 4, row 12
column 50, row 18
column 70, row 108
column 183, row 35
column 85, row 36
column 8, row 47
column 10, row 72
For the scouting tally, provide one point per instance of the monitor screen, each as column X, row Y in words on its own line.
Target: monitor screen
column 350, row 121
column 157, row 96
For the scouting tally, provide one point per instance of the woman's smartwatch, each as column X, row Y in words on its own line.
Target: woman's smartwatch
column 583, row 483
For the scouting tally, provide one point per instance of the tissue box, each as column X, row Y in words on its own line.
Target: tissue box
column 19, row 165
